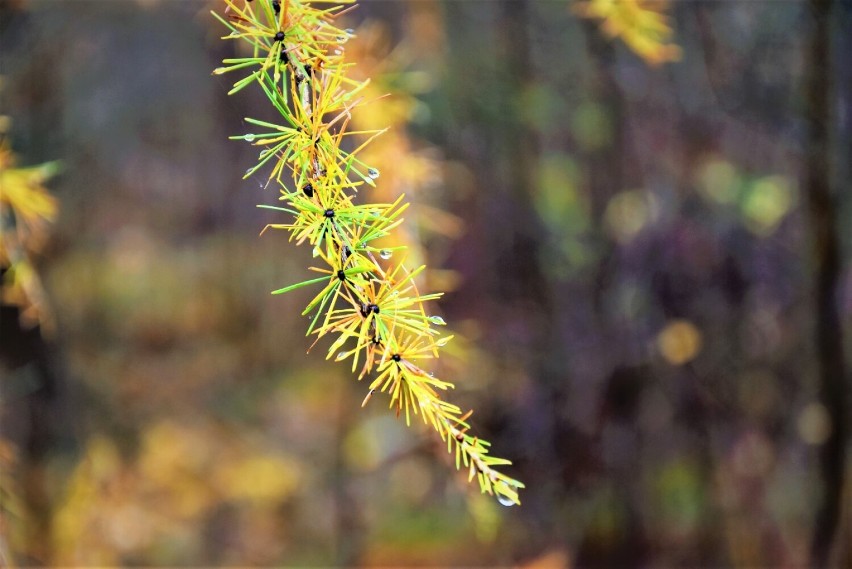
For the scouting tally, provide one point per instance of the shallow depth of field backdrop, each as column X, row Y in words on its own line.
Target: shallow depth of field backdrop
column 627, row 249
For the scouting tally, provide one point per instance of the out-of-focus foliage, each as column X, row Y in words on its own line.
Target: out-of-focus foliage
column 641, row 24
column 181, row 476
column 26, row 211
column 12, row 512
column 408, row 166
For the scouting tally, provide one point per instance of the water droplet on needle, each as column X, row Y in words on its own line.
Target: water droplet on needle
column 505, row 500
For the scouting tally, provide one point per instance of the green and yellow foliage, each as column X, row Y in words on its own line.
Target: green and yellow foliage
column 641, row 24
column 368, row 298
column 26, row 211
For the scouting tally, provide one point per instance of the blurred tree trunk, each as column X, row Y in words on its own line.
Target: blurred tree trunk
column 33, row 420
column 503, row 255
column 605, row 166
column 827, row 264
column 517, row 266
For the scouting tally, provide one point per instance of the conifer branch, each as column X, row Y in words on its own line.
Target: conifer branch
column 372, row 305
column 27, row 209
column 642, row 24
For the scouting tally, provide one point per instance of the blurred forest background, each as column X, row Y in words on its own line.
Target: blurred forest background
column 641, row 260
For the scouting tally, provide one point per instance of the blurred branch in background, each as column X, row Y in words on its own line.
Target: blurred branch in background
column 26, row 211
column 641, row 24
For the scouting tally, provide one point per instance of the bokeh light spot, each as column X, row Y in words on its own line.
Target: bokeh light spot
column 592, row 126
column 679, row 342
column 718, row 181
column 766, row 203
column 627, row 213
column 814, row 424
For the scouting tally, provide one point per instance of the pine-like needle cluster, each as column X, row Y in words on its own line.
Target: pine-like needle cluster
column 294, row 53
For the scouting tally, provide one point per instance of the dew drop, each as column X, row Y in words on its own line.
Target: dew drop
column 249, row 137
column 442, row 342
column 385, row 254
column 264, row 152
column 373, row 173
column 437, row 320
column 248, row 172
column 219, row 71
column 341, row 356
column 316, row 252
column 350, row 32
column 505, row 500
column 234, row 35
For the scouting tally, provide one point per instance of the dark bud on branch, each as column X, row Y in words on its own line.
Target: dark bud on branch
column 366, row 309
column 308, row 190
